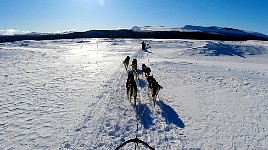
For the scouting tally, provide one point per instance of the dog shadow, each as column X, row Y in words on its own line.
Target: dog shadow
column 139, row 72
column 145, row 115
column 170, row 115
column 146, row 50
column 142, row 83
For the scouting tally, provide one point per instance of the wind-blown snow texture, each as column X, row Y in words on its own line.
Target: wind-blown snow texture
column 70, row 94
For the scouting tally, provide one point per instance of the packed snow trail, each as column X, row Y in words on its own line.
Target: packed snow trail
column 112, row 120
column 106, row 119
column 110, row 110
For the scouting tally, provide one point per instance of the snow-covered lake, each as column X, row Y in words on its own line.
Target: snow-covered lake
column 70, row 94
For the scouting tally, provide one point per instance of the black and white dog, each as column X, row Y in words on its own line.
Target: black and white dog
column 153, row 87
column 134, row 65
column 126, row 62
column 135, row 68
column 145, row 70
column 131, row 88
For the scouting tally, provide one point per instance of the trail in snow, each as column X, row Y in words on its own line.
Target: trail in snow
column 113, row 119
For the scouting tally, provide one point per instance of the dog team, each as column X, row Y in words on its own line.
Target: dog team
column 153, row 86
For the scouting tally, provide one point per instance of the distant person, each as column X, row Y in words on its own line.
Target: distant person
column 143, row 45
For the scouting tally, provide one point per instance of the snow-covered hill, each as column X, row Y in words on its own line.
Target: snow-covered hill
column 221, row 30
column 211, row 29
column 71, row 94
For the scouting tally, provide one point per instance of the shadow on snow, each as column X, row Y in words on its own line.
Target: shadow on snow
column 141, row 83
column 139, row 72
column 170, row 114
column 144, row 114
column 146, row 50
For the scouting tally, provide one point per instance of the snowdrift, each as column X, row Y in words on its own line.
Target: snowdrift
column 217, row 48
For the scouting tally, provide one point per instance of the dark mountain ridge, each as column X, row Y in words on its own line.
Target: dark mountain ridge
column 187, row 32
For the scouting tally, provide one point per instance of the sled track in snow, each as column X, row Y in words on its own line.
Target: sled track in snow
column 159, row 123
column 105, row 115
column 161, row 120
column 112, row 118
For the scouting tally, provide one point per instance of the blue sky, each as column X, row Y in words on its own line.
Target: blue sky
column 82, row 15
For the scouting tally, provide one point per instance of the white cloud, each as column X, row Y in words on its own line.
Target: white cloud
column 101, row 2
column 13, row 31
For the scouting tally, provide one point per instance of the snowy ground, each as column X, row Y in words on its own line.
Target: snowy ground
column 70, row 94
